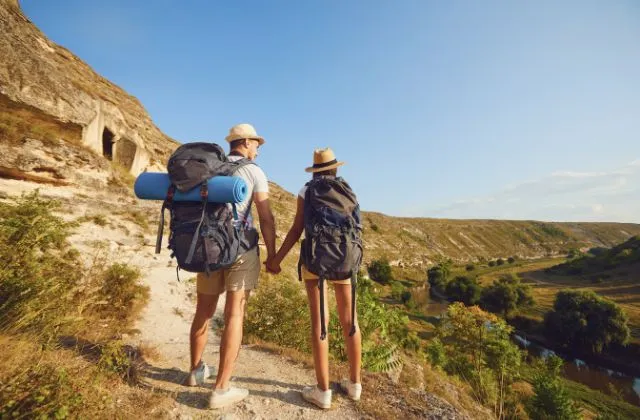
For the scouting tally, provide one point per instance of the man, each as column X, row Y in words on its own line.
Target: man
column 238, row 280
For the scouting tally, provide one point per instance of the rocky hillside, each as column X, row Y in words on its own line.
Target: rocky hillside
column 39, row 78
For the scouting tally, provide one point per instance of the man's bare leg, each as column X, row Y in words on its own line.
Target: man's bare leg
column 205, row 308
column 231, row 336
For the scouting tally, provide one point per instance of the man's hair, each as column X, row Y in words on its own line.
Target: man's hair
column 236, row 143
column 332, row 172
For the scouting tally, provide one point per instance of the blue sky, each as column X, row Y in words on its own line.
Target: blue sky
column 466, row 109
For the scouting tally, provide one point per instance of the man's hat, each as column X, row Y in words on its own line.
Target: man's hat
column 323, row 160
column 243, row 131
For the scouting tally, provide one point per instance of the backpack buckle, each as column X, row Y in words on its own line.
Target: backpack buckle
column 204, row 192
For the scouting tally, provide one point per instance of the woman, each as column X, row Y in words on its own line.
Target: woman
column 324, row 165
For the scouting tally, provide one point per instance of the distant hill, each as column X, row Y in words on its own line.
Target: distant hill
column 603, row 261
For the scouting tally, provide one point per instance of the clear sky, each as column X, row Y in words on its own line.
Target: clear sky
column 466, row 109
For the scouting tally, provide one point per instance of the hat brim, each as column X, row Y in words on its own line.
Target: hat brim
column 324, row 168
column 229, row 139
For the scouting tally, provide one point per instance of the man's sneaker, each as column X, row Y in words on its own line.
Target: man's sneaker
column 220, row 397
column 198, row 375
column 352, row 389
column 315, row 395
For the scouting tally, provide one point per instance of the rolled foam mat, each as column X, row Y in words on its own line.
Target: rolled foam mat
column 222, row 189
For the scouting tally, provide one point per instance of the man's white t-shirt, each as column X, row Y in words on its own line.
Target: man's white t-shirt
column 256, row 181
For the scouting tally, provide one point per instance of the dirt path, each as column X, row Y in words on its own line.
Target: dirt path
column 274, row 384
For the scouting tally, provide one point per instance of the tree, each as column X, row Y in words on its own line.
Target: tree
column 438, row 276
column 582, row 320
column 551, row 398
column 380, row 271
column 500, row 261
column 463, row 289
column 506, row 295
column 511, row 260
column 492, row 263
column 476, row 346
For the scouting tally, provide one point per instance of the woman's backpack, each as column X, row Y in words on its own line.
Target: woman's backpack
column 332, row 246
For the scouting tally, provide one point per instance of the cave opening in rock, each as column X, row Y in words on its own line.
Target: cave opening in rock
column 107, row 143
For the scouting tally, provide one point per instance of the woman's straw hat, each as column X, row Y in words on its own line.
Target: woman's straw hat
column 323, row 160
column 243, row 131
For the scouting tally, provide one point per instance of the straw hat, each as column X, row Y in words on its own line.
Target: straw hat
column 323, row 160
column 243, row 131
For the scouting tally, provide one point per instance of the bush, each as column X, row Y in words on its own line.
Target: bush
column 278, row 312
column 492, row 263
column 500, row 261
column 120, row 290
column 511, row 260
column 380, row 271
column 584, row 321
column 470, row 267
column 438, row 276
column 551, row 398
column 477, row 347
column 396, row 290
column 463, row 289
column 506, row 295
column 40, row 275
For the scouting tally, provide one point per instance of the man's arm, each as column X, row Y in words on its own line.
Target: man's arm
column 267, row 222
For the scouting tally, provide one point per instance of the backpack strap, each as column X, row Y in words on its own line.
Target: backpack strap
column 323, row 328
column 354, row 281
column 167, row 202
column 204, row 195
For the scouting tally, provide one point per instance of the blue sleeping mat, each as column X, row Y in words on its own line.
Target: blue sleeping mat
column 222, row 189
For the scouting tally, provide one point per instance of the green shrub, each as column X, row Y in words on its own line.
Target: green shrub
column 121, row 294
column 500, row 261
column 380, row 271
column 511, row 260
column 463, row 289
column 470, row 267
column 278, row 312
column 506, row 295
column 582, row 320
column 40, row 275
column 114, row 359
column 551, row 399
column 492, row 263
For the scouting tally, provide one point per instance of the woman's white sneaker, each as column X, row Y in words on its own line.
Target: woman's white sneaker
column 198, row 375
column 352, row 389
column 220, row 398
column 316, row 396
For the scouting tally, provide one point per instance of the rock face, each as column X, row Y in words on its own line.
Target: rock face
column 36, row 72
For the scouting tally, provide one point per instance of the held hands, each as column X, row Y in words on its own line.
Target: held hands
column 272, row 265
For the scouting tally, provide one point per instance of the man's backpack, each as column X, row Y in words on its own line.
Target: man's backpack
column 332, row 246
column 204, row 236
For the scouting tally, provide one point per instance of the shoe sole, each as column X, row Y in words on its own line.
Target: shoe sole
column 215, row 406
column 316, row 403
